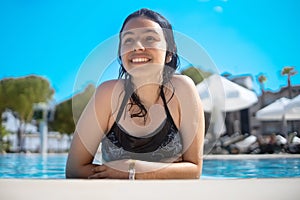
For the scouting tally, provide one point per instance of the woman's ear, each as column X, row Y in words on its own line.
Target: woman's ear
column 169, row 58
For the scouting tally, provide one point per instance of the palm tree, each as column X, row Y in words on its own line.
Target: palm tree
column 289, row 71
column 262, row 79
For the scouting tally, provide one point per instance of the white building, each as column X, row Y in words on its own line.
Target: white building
column 56, row 142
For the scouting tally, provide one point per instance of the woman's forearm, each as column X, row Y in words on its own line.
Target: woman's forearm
column 148, row 170
column 80, row 171
column 180, row 170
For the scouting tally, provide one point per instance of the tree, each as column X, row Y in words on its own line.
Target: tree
column 262, row 79
column 20, row 94
column 81, row 100
column 3, row 106
column 63, row 119
column 68, row 112
column 196, row 74
column 4, row 145
column 289, row 71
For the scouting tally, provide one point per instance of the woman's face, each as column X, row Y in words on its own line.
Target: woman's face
column 142, row 44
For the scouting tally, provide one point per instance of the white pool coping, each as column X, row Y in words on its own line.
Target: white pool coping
column 241, row 189
column 208, row 189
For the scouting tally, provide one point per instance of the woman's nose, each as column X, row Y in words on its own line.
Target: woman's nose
column 138, row 46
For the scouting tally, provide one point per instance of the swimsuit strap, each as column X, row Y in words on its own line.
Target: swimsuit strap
column 126, row 97
column 123, row 104
column 169, row 116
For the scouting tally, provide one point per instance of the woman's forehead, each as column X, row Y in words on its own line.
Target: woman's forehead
column 141, row 24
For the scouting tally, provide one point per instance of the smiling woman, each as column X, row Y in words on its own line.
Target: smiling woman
column 143, row 123
column 140, row 34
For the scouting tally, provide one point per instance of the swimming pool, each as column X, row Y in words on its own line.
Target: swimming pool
column 52, row 166
column 252, row 168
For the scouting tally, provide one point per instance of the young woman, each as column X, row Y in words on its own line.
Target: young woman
column 149, row 122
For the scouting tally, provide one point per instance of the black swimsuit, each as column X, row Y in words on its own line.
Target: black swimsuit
column 163, row 145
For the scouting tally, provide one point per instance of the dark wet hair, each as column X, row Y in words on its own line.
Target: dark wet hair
column 169, row 68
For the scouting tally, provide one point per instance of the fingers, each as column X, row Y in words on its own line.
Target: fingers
column 99, row 168
column 99, row 172
column 103, row 172
column 101, row 175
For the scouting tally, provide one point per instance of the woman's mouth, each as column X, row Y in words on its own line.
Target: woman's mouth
column 140, row 60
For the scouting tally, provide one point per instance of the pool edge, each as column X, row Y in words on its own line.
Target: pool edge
column 279, row 188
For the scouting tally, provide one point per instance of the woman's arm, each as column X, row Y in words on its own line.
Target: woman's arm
column 79, row 163
column 146, row 170
column 93, row 123
column 192, row 131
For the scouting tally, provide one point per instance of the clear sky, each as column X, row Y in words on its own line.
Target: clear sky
column 52, row 38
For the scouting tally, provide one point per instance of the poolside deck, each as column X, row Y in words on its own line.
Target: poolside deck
column 242, row 189
column 220, row 189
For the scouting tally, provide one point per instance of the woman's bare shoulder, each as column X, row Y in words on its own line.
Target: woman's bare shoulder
column 108, row 87
column 107, row 90
column 182, row 82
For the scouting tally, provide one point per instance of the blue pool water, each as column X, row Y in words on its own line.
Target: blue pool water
column 32, row 166
column 53, row 167
column 252, row 168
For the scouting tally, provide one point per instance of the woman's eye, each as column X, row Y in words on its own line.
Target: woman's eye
column 150, row 39
column 128, row 41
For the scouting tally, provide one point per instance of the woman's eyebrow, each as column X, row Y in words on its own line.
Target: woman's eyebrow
column 145, row 31
column 151, row 31
column 127, row 33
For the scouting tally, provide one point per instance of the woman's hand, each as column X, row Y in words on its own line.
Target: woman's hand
column 111, row 170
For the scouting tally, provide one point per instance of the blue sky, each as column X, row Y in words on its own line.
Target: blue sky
column 52, row 38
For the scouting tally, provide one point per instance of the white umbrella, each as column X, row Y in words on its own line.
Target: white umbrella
column 282, row 108
column 227, row 95
column 274, row 111
column 218, row 95
column 292, row 109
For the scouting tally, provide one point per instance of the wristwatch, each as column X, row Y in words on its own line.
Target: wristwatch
column 131, row 170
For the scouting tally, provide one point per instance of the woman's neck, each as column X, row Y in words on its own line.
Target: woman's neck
column 149, row 94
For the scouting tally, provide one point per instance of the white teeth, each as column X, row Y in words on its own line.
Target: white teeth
column 140, row 60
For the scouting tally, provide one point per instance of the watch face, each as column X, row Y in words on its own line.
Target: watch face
column 131, row 174
column 131, row 170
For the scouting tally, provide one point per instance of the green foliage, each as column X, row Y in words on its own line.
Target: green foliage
column 196, row 74
column 289, row 71
column 63, row 119
column 262, row 79
column 80, row 101
column 21, row 94
column 68, row 112
column 4, row 146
